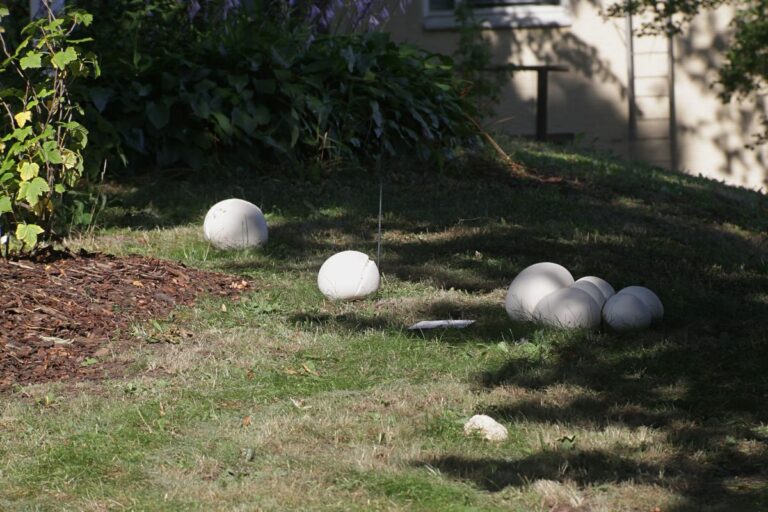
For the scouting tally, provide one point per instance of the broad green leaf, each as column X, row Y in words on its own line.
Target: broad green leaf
column 53, row 25
column 5, row 204
column 30, row 191
column 28, row 170
column 158, row 114
column 28, row 233
column 23, row 118
column 70, row 159
column 31, row 60
column 244, row 121
column 3, row 11
column 62, row 58
column 78, row 132
column 6, row 165
column 44, row 93
column 51, row 152
column 59, row 188
column 376, row 111
column 15, row 150
column 201, row 109
column 238, row 82
column 261, row 114
column 223, row 122
column 349, row 55
column 100, row 96
column 83, row 17
column 11, row 92
column 25, row 42
column 20, row 134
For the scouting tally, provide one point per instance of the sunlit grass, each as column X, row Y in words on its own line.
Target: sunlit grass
column 287, row 401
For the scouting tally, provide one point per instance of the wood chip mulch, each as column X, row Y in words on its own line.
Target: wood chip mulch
column 58, row 312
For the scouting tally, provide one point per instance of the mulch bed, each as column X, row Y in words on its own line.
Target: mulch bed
column 57, row 312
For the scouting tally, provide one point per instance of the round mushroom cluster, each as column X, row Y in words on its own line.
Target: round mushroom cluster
column 546, row 293
column 238, row 224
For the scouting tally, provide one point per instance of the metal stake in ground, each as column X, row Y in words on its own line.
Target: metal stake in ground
column 378, row 233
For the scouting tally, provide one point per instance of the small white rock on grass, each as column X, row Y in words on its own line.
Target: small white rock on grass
column 487, row 427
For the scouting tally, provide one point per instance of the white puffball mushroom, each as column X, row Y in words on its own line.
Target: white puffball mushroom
column 604, row 286
column 533, row 284
column 649, row 298
column 592, row 290
column 625, row 312
column 348, row 275
column 235, row 224
column 571, row 308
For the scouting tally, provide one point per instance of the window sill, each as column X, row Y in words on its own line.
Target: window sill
column 529, row 16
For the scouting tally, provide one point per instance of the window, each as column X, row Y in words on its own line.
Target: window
column 438, row 14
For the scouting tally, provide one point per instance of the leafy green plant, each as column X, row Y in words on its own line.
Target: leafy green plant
column 42, row 142
column 208, row 93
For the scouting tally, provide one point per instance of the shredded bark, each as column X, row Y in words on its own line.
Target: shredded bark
column 57, row 312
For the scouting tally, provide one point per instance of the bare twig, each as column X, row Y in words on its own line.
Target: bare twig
column 513, row 166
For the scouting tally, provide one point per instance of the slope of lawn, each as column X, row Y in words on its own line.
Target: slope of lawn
column 287, row 401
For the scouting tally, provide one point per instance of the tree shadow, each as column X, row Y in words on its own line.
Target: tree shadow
column 491, row 322
column 698, row 378
column 582, row 467
column 703, row 482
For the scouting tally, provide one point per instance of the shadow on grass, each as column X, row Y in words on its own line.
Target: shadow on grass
column 701, row 378
column 708, row 397
column 705, row 483
column 582, row 467
column 492, row 326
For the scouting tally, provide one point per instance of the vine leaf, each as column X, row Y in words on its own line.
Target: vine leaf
column 27, row 233
column 31, row 61
column 62, row 58
column 5, row 204
column 23, row 118
column 31, row 191
column 28, row 170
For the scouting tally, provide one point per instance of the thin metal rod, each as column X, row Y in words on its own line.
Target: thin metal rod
column 378, row 234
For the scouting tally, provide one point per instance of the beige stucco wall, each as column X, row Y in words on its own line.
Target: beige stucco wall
column 713, row 135
column 591, row 99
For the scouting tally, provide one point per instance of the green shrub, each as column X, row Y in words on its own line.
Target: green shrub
column 202, row 92
column 41, row 144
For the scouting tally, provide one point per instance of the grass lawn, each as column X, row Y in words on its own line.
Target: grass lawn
column 287, row 401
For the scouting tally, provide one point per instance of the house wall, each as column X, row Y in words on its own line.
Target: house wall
column 591, row 99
